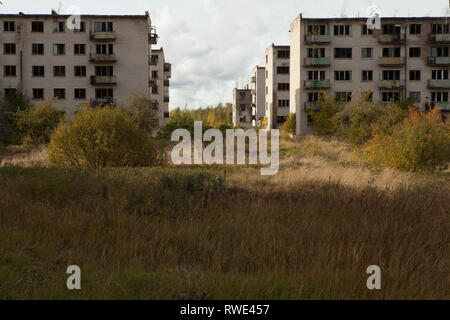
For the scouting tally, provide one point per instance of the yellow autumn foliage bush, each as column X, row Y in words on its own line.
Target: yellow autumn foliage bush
column 420, row 142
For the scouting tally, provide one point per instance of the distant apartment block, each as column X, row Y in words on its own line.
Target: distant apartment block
column 277, row 85
column 258, row 95
column 407, row 57
column 242, row 108
column 103, row 62
column 160, row 74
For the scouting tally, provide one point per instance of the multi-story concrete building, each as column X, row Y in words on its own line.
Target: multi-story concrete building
column 242, row 108
column 277, row 85
column 160, row 74
column 258, row 95
column 407, row 57
column 104, row 60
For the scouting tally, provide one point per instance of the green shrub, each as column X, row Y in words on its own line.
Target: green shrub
column 420, row 142
column 9, row 105
column 98, row 138
column 35, row 125
column 290, row 125
column 144, row 113
column 179, row 119
column 322, row 119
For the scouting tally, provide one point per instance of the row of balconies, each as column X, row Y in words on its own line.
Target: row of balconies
column 385, row 84
column 383, row 61
column 445, row 106
column 111, row 36
column 396, row 38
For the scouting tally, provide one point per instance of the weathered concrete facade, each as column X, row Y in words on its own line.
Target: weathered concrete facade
column 160, row 74
column 407, row 57
column 242, row 108
column 277, row 85
column 104, row 62
column 258, row 95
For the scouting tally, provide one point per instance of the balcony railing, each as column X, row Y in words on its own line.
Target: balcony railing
column 392, row 38
column 103, row 36
column 439, row 61
column 311, row 106
column 317, row 62
column 324, row 38
column 95, row 57
column 101, row 80
column 439, row 84
column 391, row 84
column 317, row 84
column 167, row 68
column 152, row 38
column 151, row 82
column 253, row 79
column 440, row 38
column 391, row 61
column 103, row 102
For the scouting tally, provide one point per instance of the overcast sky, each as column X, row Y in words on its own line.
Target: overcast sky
column 214, row 44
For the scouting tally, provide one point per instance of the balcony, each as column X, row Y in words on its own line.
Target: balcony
column 317, row 62
column 253, row 92
column 103, row 36
column 151, row 82
column 391, row 61
column 440, row 38
column 439, row 61
column 102, row 80
column 438, row 84
column 311, row 106
column 317, row 84
column 152, row 61
column 445, row 106
column 253, row 79
column 318, row 39
column 391, row 84
column 166, row 83
column 99, row 58
column 168, row 69
column 152, row 37
column 396, row 38
column 101, row 102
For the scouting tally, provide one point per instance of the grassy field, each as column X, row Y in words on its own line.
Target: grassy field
column 309, row 232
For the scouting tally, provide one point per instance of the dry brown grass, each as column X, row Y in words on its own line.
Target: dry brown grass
column 169, row 233
column 24, row 156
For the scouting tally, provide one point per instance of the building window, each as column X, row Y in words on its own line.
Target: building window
column 317, row 29
column 390, row 52
column 104, row 71
column 154, row 74
column 103, row 26
column 439, row 74
column 391, row 29
column 316, row 75
column 316, row 52
column 155, row 89
column 414, row 75
column 439, row 28
column 9, row 48
column 342, row 30
column 9, row 26
column 59, row 71
column 367, row 75
column 282, row 103
column 37, row 48
column 440, row 52
column 415, row 95
column 38, row 94
column 241, row 95
column 390, row 96
column 79, row 48
column 281, row 119
column 59, row 94
column 242, row 107
column 391, row 75
column 366, row 30
column 104, row 93
column 343, row 96
column 108, row 49
column 79, row 94
column 80, row 71
column 9, row 71
column 58, row 26
column 10, row 91
column 415, row 52
column 366, row 53
column 282, row 70
column 439, row 96
column 37, row 26
column 38, row 71
column 283, row 54
column 82, row 27
column 369, row 97
column 283, row 86
column 343, row 75
column 415, row 28
column 59, row 49
column 343, row 53
column 313, row 96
